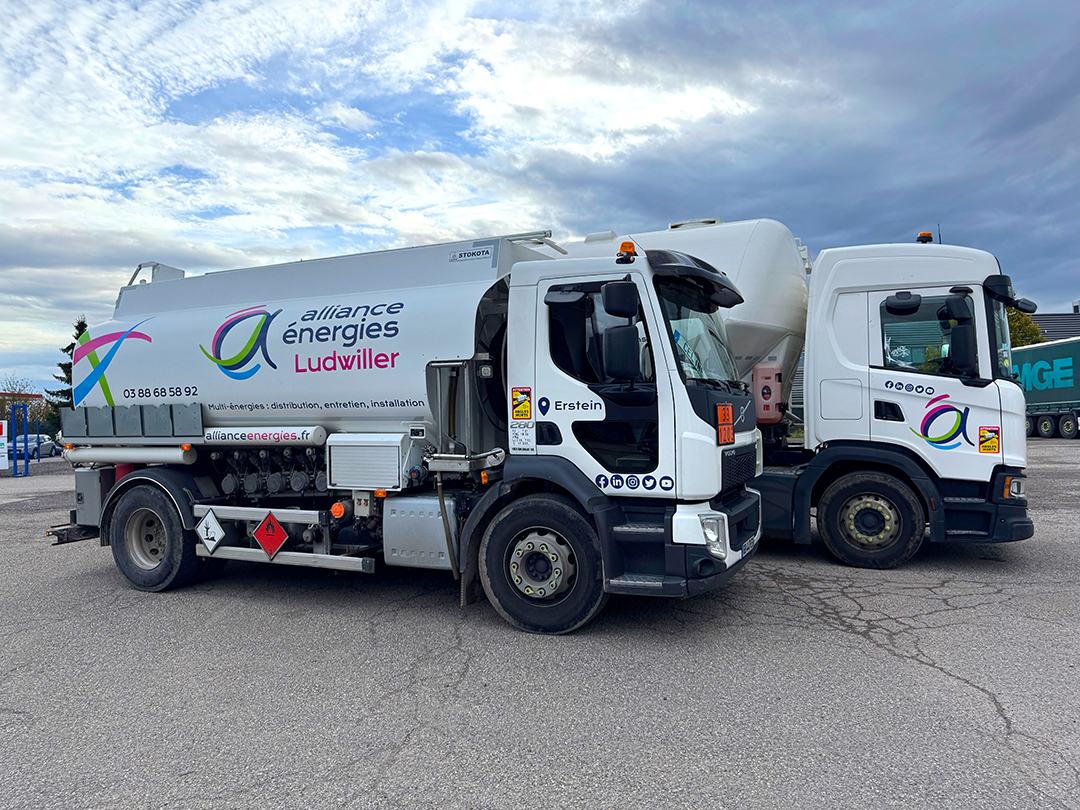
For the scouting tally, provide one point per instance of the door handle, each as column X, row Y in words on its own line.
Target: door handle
column 887, row 411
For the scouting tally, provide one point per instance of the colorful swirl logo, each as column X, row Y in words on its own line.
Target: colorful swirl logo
column 234, row 366
column 957, row 429
column 88, row 348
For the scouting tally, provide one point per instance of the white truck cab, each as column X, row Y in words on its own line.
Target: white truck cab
column 912, row 412
column 913, row 418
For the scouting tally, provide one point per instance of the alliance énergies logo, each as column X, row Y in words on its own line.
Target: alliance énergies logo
column 237, row 366
column 88, row 347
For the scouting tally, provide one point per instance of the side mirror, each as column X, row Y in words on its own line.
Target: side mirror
column 957, row 309
column 1025, row 306
column 962, row 352
column 620, row 299
column 622, row 358
column 903, row 303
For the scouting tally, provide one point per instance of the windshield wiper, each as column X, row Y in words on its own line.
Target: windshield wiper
column 709, row 382
column 731, row 386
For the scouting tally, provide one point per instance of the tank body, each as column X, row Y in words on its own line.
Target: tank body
column 762, row 258
column 342, row 342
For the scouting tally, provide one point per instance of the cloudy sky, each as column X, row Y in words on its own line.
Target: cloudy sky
column 209, row 135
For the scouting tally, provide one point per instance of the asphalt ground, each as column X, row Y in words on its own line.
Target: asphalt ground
column 952, row 682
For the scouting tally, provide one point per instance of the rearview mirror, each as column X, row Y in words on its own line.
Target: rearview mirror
column 957, row 309
column 620, row 298
column 1025, row 306
column 962, row 352
column 622, row 358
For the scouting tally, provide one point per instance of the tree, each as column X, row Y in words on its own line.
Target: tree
column 61, row 398
column 1022, row 330
column 37, row 410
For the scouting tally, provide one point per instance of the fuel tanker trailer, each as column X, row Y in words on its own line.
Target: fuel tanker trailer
column 494, row 408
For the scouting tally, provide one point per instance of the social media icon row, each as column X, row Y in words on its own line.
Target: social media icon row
column 648, row 482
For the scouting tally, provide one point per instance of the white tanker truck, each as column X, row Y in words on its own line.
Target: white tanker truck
column 913, row 415
column 554, row 429
column 556, row 423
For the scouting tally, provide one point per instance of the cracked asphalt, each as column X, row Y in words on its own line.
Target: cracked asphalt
column 952, row 682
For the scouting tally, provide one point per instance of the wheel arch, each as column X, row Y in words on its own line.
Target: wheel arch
column 182, row 488
column 522, row 476
column 842, row 458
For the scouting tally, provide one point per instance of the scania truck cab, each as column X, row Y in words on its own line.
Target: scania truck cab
column 912, row 415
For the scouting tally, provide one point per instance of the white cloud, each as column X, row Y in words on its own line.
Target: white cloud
column 228, row 133
column 349, row 117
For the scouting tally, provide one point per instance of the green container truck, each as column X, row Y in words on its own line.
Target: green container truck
column 1047, row 371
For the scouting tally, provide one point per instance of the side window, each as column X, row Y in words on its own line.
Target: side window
column 919, row 342
column 575, row 336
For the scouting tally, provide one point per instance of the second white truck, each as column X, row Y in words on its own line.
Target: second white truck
column 914, row 419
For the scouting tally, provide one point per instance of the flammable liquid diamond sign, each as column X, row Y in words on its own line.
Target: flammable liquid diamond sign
column 270, row 535
column 210, row 531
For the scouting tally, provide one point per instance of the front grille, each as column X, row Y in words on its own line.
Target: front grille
column 739, row 466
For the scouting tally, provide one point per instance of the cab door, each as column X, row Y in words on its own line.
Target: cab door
column 617, row 432
column 918, row 397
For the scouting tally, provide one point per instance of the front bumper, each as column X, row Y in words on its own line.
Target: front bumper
column 688, row 567
column 991, row 518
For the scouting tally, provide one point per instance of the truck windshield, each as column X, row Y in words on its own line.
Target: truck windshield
column 1000, row 341
column 697, row 331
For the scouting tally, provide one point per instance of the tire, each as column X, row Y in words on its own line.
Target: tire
column 149, row 543
column 531, row 543
column 1067, row 425
column 871, row 520
column 1046, row 425
column 1029, row 425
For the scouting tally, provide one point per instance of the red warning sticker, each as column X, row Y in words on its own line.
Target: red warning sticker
column 270, row 535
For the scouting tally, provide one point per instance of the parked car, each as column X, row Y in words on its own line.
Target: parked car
column 38, row 445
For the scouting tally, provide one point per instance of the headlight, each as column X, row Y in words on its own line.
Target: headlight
column 713, row 529
column 1014, row 487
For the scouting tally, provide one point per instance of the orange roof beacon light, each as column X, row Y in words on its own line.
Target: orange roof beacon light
column 924, row 237
column 626, row 253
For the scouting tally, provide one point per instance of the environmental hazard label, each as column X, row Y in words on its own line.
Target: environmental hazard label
column 990, row 439
column 521, row 402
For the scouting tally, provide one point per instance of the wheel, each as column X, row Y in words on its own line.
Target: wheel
column 871, row 520
column 37, row 454
column 1029, row 425
column 1067, row 426
column 149, row 543
column 540, row 565
column 1046, row 425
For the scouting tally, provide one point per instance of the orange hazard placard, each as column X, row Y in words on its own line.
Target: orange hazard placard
column 725, row 427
